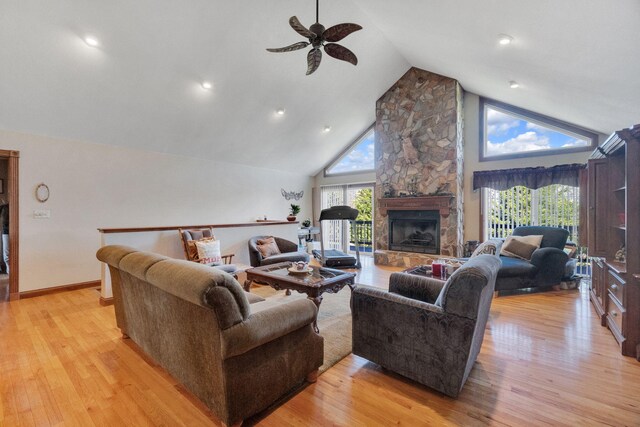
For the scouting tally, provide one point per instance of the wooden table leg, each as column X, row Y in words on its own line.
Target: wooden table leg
column 247, row 285
column 317, row 301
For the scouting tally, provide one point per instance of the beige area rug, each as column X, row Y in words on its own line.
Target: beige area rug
column 334, row 321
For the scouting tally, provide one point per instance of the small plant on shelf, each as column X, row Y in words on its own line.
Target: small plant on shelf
column 295, row 210
column 306, row 223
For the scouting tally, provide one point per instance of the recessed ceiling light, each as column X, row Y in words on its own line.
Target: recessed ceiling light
column 326, row 129
column 280, row 111
column 91, row 41
column 504, row 39
column 207, row 85
column 514, row 84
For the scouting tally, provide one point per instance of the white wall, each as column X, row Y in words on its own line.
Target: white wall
column 101, row 186
column 472, row 163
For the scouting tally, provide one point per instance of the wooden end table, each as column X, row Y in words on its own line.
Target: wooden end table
column 313, row 284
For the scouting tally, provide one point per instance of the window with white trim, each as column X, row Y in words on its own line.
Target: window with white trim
column 357, row 158
column 510, row 132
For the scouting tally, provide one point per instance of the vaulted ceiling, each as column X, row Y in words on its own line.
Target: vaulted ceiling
column 142, row 86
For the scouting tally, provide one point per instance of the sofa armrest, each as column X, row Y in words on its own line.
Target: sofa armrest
column 267, row 325
column 551, row 264
column 420, row 288
column 362, row 291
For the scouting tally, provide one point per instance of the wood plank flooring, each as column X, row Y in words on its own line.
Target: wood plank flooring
column 545, row 361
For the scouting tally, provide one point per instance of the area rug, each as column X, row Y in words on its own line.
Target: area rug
column 334, row 321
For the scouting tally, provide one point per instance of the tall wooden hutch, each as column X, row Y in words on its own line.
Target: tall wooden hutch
column 614, row 236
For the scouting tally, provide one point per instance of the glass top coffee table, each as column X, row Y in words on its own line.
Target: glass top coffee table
column 313, row 283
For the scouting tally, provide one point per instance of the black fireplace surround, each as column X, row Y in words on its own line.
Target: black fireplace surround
column 414, row 231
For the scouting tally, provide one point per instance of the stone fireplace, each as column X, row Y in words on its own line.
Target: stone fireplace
column 418, row 150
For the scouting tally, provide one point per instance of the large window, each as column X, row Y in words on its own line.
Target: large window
column 357, row 158
column 510, row 132
column 553, row 206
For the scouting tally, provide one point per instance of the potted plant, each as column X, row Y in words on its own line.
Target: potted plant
column 306, row 223
column 295, row 210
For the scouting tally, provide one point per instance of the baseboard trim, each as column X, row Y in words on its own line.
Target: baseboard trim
column 63, row 288
column 106, row 301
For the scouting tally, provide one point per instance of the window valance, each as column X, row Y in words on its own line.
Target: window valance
column 532, row 178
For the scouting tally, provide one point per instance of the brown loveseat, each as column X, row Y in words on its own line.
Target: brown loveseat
column 235, row 351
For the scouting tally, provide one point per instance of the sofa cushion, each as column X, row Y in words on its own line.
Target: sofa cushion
column 552, row 237
column 253, row 298
column 514, row 267
column 287, row 256
column 268, row 247
column 520, row 246
column 209, row 251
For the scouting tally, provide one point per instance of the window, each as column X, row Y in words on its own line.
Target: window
column 553, row 206
column 509, row 132
column 339, row 234
column 358, row 157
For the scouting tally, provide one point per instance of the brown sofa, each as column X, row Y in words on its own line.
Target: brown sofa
column 235, row 351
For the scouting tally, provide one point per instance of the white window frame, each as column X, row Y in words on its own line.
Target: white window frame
column 346, row 152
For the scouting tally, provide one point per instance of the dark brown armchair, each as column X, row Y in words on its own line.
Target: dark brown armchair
column 425, row 329
column 288, row 252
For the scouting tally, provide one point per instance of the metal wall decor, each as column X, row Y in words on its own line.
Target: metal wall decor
column 288, row 195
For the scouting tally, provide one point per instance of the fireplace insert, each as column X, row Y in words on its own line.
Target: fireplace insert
column 414, row 231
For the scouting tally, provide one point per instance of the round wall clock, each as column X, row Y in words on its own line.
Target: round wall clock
column 42, row 192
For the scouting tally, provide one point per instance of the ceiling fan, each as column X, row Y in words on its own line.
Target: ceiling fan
column 318, row 37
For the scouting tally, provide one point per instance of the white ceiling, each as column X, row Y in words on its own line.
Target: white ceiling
column 575, row 60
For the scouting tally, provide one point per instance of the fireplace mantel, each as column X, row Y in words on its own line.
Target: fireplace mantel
column 427, row 203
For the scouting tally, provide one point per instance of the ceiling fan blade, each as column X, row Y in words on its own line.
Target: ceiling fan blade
column 290, row 48
column 341, row 53
column 300, row 29
column 340, row 31
column 313, row 60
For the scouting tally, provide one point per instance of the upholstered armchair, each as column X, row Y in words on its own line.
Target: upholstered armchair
column 425, row 329
column 547, row 265
column 288, row 252
column 190, row 236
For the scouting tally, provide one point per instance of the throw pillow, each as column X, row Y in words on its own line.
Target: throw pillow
column 268, row 247
column 521, row 246
column 209, row 251
column 490, row 247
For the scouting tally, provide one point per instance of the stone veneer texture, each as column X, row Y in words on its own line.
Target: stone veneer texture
column 419, row 133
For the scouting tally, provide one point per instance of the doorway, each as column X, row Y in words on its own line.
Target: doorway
column 9, row 214
column 340, row 235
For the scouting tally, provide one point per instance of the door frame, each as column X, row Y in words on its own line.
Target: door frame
column 14, row 214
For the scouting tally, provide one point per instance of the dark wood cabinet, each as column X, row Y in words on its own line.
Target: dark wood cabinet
column 597, row 291
column 614, row 236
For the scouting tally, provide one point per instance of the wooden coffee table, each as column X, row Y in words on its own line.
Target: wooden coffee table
column 313, row 284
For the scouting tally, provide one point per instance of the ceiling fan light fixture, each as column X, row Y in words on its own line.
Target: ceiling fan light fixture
column 319, row 37
column 326, row 129
column 280, row 111
column 514, row 84
column 91, row 41
column 505, row 39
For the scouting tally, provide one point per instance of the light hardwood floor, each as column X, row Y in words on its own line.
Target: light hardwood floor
column 545, row 361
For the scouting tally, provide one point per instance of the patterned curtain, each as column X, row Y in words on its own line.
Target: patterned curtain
column 532, row 178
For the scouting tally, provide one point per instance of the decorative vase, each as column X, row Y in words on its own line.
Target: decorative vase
column 291, row 218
